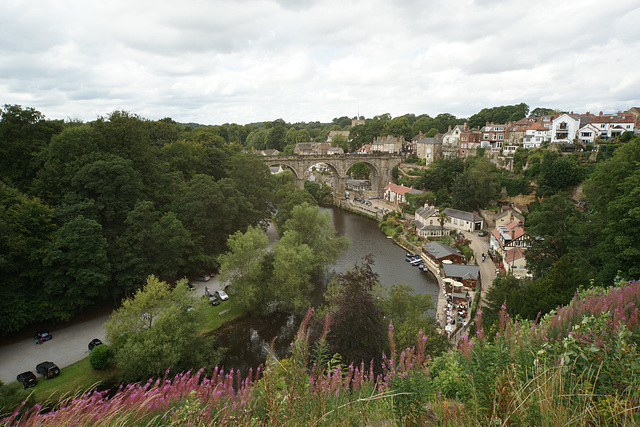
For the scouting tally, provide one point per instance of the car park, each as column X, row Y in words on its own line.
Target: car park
column 42, row 336
column 94, row 343
column 27, row 379
column 47, row 369
column 222, row 295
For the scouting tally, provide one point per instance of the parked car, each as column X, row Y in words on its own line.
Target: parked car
column 94, row 343
column 203, row 277
column 42, row 336
column 482, row 233
column 47, row 369
column 191, row 286
column 222, row 295
column 213, row 300
column 27, row 379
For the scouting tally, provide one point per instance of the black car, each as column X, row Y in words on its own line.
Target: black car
column 191, row 286
column 94, row 343
column 27, row 379
column 42, row 336
column 214, row 301
column 482, row 233
column 47, row 369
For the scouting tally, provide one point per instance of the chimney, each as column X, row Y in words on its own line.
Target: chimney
column 600, row 113
column 449, row 128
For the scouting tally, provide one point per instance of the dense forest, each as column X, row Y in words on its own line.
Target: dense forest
column 89, row 210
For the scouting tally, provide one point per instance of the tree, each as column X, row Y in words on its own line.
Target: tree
column 156, row 330
column 310, row 226
column 557, row 174
column 409, row 313
column 76, row 267
column 357, row 330
column 398, row 126
column 242, row 265
column 157, row 243
column 553, row 228
column 477, row 185
column 110, row 187
column 26, row 230
column 340, row 141
column 290, row 286
column 24, row 133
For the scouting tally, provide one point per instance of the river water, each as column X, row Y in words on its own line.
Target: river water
column 248, row 339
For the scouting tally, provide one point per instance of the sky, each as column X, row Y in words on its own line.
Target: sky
column 244, row 61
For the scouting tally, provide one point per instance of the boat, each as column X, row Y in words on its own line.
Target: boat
column 416, row 261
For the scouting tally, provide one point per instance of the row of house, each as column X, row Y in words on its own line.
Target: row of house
column 529, row 132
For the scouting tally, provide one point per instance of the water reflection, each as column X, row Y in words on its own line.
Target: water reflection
column 249, row 339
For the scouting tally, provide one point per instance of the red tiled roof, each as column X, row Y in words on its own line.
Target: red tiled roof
column 398, row 189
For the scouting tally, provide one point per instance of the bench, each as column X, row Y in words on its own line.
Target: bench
column 223, row 312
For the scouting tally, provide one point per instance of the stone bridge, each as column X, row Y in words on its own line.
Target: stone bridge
column 380, row 167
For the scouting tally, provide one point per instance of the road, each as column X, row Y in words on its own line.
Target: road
column 68, row 345
column 480, row 245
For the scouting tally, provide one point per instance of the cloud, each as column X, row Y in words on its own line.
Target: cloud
column 251, row 60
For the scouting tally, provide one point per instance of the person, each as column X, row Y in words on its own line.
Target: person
column 206, row 291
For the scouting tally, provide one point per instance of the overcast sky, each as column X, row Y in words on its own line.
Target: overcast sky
column 242, row 61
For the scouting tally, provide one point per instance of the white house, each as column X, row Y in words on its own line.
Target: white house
column 588, row 133
column 536, row 134
column 564, row 128
column 461, row 220
column 427, row 223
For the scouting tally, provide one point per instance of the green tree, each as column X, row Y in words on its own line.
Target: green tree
column 398, row 126
column 24, row 133
column 77, row 271
column 557, row 173
column 313, row 227
column 409, row 312
column 358, row 331
column 109, row 188
column 157, row 243
column 290, row 286
column 242, row 266
column 477, row 185
column 26, row 230
column 553, row 228
column 156, row 330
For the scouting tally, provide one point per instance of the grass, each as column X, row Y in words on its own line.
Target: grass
column 213, row 319
column 77, row 378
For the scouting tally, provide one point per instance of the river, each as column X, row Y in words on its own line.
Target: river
column 248, row 339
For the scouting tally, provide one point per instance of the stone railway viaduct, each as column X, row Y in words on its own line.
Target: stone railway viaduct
column 380, row 165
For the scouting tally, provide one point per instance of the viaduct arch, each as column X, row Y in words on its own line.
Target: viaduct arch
column 380, row 165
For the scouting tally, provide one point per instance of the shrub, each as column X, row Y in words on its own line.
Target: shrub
column 101, row 357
